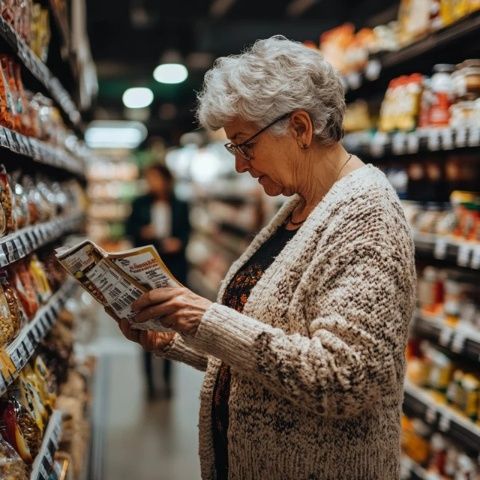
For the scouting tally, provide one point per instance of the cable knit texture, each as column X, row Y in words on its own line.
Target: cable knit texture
column 317, row 355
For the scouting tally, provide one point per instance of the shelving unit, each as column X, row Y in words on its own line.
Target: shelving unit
column 43, row 464
column 411, row 469
column 422, row 54
column 24, row 346
column 377, row 146
column 455, row 252
column 420, row 403
column 461, row 340
column 41, row 72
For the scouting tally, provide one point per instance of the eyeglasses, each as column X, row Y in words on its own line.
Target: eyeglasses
column 244, row 148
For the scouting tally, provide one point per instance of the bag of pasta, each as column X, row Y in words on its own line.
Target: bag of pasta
column 12, row 467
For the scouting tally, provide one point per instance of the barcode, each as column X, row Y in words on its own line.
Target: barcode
column 123, row 302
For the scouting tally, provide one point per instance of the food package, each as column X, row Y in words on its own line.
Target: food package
column 12, row 467
column 19, row 428
column 25, row 388
column 7, row 104
column 46, row 382
column 40, row 280
column 32, row 199
column 8, row 201
column 22, row 213
column 55, row 274
column 23, row 284
column 11, row 320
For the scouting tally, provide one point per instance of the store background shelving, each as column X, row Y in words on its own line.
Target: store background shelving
column 55, row 161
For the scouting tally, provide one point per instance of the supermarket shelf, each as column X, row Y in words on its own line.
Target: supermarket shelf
column 464, row 34
column 383, row 145
column 218, row 242
column 41, row 152
column 420, row 403
column 411, row 470
column 463, row 254
column 19, row 244
column 43, row 464
column 41, row 72
column 23, row 347
column 460, row 340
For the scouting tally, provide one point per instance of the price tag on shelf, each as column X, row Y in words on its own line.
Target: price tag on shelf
column 458, row 342
column 445, row 336
column 433, row 140
column 444, row 423
column 447, row 139
column 431, row 415
column 354, row 80
column 19, row 247
column 476, row 257
column 373, row 69
column 464, row 252
column 3, row 138
column 3, row 258
column 461, row 137
column 440, row 249
column 413, row 142
column 10, row 250
column 31, row 336
column 474, row 137
column 27, row 345
column 17, row 359
column 399, row 143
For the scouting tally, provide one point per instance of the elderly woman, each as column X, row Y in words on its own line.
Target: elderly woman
column 304, row 348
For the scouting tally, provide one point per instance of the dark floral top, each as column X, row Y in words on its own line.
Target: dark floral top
column 236, row 296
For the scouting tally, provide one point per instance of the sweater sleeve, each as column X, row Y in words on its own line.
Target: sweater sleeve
column 181, row 352
column 357, row 321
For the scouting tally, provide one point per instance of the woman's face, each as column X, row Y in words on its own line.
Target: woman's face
column 273, row 157
column 157, row 184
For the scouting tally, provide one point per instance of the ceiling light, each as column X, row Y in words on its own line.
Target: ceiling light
column 115, row 134
column 140, row 97
column 170, row 73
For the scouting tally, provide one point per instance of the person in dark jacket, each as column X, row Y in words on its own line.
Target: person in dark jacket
column 161, row 219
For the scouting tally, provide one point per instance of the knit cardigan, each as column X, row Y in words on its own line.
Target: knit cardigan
column 317, row 355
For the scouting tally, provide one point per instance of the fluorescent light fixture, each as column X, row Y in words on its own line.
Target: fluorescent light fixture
column 170, row 73
column 139, row 97
column 115, row 134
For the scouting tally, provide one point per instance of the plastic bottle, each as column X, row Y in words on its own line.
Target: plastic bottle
column 442, row 88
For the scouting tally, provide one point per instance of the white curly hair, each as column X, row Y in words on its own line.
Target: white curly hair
column 274, row 77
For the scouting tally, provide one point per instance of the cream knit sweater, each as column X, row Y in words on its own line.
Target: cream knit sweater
column 317, row 356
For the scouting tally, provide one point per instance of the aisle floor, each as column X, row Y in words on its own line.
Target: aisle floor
column 147, row 440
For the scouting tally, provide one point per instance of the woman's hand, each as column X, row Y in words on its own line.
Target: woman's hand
column 149, row 340
column 177, row 308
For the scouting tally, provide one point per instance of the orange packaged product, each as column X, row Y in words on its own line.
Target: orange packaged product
column 7, row 106
column 25, row 120
column 7, row 201
column 7, row 66
column 24, row 286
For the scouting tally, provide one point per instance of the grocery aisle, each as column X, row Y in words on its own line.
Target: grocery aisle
column 154, row 440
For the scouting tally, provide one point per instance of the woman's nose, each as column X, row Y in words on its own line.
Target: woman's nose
column 241, row 164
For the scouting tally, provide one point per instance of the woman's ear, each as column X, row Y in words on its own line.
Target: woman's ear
column 302, row 128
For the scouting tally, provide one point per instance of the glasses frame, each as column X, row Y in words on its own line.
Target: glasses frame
column 239, row 148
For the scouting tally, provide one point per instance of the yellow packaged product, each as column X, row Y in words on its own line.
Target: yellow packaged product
column 42, row 285
column 471, row 388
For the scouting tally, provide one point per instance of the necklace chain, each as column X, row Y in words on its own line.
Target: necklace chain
column 338, row 175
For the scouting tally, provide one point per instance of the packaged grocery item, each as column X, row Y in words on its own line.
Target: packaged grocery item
column 19, row 428
column 12, row 321
column 12, row 467
column 466, row 79
column 7, row 200
column 22, row 214
column 32, row 199
column 47, row 385
column 24, row 287
column 415, row 440
column 438, row 448
column 28, row 396
column 7, row 104
column 442, row 89
column 441, row 369
column 471, row 387
column 40, row 280
column 7, row 322
column 414, row 20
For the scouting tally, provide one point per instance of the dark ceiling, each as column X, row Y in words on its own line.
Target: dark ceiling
column 129, row 37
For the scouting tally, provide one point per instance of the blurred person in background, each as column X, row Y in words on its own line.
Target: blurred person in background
column 304, row 349
column 161, row 219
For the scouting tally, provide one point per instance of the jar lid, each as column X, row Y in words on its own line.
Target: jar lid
column 443, row 68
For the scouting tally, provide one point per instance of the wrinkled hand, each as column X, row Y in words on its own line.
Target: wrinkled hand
column 149, row 340
column 177, row 308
